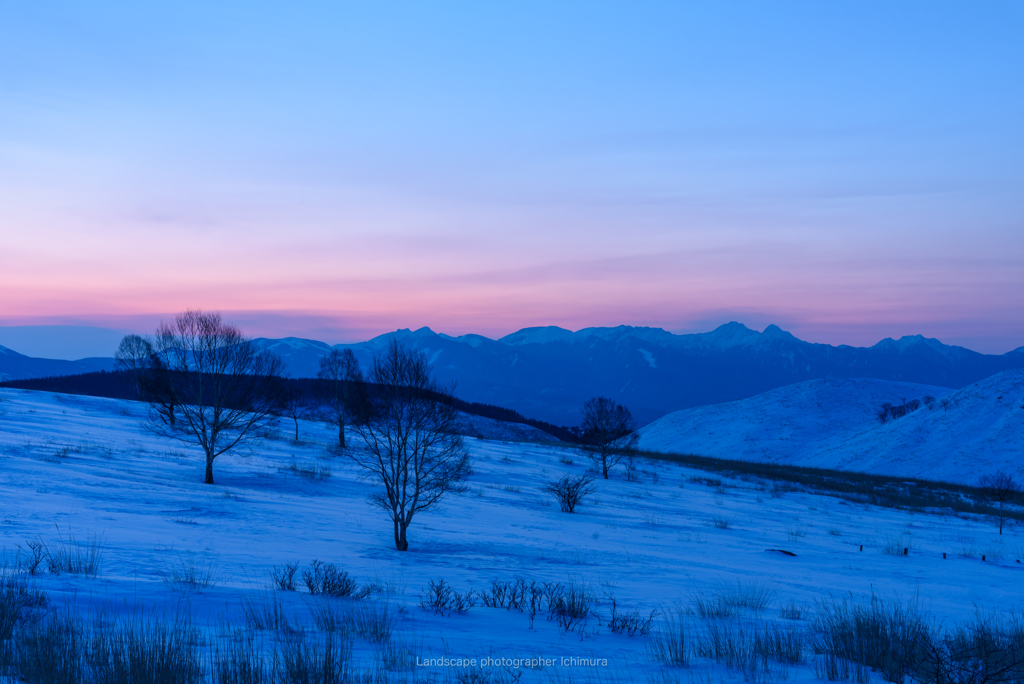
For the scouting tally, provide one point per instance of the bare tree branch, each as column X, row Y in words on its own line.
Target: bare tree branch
column 220, row 387
column 607, row 433
column 1001, row 489
column 340, row 388
column 413, row 449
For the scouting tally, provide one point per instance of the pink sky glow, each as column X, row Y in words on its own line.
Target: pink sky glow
column 847, row 172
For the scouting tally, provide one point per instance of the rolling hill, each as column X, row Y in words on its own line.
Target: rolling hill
column 15, row 366
column 834, row 423
column 133, row 543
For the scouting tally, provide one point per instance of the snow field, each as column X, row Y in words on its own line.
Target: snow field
column 674, row 540
column 833, row 423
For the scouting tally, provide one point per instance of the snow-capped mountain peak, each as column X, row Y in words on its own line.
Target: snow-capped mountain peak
column 538, row 335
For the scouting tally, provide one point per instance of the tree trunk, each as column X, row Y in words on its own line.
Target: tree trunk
column 296, row 429
column 604, row 466
column 400, row 541
column 209, row 471
column 341, row 436
column 1000, row 517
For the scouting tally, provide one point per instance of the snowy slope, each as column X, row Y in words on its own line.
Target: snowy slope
column 782, row 425
column 833, row 424
column 502, row 431
column 972, row 432
column 85, row 466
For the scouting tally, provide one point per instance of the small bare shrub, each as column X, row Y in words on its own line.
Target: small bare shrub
column 721, row 522
column 284, row 577
column 570, row 605
column 570, row 491
column 441, row 598
column 630, row 623
column 33, row 560
column 328, row 579
column 510, row 595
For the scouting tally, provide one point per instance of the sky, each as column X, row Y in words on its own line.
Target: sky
column 848, row 171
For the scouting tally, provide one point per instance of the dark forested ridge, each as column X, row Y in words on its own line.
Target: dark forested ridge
column 119, row 385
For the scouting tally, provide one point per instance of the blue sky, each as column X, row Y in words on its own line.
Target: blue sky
column 849, row 171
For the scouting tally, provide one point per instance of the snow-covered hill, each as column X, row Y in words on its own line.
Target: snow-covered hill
column 834, row 423
column 783, row 424
column 87, row 468
column 502, row 431
column 970, row 432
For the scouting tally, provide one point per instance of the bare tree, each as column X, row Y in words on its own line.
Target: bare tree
column 607, row 433
column 297, row 406
column 413, row 449
column 1000, row 488
column 570, row 491
column 339, row 384
column 149, row 373
column 225, row 389
column 133, row 356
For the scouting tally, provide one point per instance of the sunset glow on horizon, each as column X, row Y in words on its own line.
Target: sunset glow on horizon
column 848, row 172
